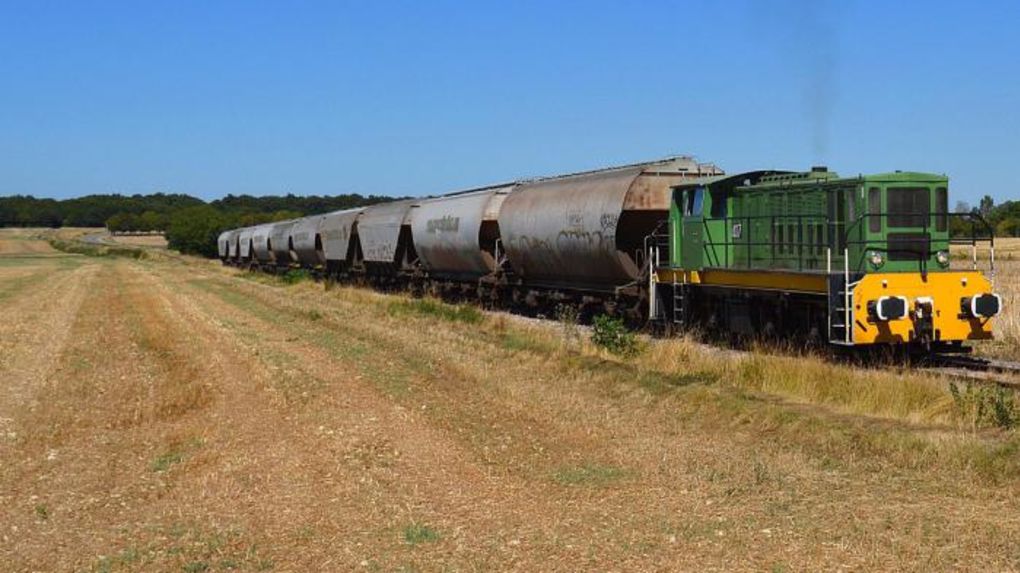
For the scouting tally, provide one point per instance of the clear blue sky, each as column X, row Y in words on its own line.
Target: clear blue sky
column 414, row 98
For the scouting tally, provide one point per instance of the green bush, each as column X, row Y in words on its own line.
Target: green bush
column 194, row 230
column 88, row 250
column 610, row 333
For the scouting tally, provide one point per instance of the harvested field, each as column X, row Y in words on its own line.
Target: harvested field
column 169, row 414
column 24, row 243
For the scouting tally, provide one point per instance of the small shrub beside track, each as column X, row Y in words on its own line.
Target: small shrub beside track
column 612, row 334
column 983, row 405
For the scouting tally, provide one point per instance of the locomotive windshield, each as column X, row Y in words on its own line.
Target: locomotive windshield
column 909, row 206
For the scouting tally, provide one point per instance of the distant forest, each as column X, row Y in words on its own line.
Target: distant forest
column 191, row 225
column 1004, row 218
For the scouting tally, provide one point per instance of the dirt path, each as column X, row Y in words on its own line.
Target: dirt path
column 164, row 415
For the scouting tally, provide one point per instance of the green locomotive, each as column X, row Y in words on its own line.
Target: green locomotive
column 854, row 261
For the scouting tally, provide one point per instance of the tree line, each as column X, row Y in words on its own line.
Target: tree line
column 1004, row 218
column 191, row 225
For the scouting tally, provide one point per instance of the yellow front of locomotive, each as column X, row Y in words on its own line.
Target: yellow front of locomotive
column 897, row 308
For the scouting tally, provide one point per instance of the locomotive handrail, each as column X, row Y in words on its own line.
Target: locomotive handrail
column 924, row 255
column 838, row 236
column 800, row 246
column 658, row 238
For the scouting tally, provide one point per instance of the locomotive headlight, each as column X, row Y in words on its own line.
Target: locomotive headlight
column 876, row 258
column 943, row 258
column 981, row 306
column 888, row 308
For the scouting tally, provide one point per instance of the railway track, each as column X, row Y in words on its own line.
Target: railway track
column 985, row 370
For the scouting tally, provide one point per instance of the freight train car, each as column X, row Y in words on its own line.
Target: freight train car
column 307, row 242
column 457, row 240
column 281, row 245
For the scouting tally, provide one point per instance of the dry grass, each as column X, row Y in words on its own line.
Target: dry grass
column 165, row 414
column 1007, row 324
column 1006, row 282
column 23, row 243
column 148, row 241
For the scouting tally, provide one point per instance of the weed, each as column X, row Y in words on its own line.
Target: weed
column 660, row 383
column 995, row 462
column 314, row 315
column 295, row 276
column 589, row 474
column 196, row 567
column 437, row 309
column 42, row 511
column 981, row 405
column 611, row 334
column 164, row 461
column 417, row 533
column 129, row 555
column 126, row 557
column 175, row 455
column 761, row 472
column 568, row 318
column 517, row 341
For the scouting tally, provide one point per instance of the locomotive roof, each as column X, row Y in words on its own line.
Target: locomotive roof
column 788, row 179
column 906, row 176
column 735, row 180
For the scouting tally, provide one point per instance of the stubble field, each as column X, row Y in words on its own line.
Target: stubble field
column 168, row 414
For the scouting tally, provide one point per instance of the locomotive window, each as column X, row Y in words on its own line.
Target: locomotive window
column 698, row 202
column 779, row 237
column 909, row 246
column 791, row 238
column 941, row 209
column 695, row 201
column 908, row 206
column 718, row 203
column 820, row 233
column 875, row 208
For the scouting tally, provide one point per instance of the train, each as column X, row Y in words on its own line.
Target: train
column 672, row 244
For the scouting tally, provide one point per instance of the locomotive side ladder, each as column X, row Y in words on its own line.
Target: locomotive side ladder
column 676, row 313
column 679, row 300
column 840, row 301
